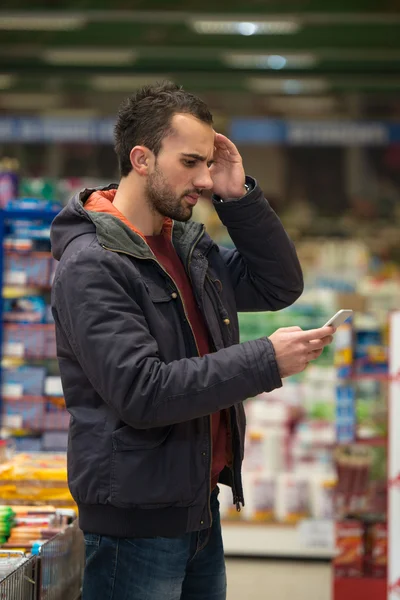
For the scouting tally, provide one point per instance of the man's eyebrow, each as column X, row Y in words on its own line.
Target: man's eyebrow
column 196, row 156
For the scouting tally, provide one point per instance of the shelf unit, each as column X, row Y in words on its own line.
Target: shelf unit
column 17, row 354
column 394, row 459
column 275, row 540
column 369, row 588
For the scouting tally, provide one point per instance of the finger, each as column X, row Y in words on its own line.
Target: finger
column 223, row 142
column 315, row 344
column 294, row 328
column 317, row 334
column 315, row 354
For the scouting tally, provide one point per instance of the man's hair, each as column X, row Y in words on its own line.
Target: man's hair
column 144, row 118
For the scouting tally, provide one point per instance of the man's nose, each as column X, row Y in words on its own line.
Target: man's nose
column 203, row 180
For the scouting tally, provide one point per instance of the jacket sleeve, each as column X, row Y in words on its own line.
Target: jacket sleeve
column 263, row 267
column 109, row 335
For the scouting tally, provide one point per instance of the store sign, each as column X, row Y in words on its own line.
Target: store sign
column 314, row 133
column 36, row 129
column 337, row 134
column 252, row 130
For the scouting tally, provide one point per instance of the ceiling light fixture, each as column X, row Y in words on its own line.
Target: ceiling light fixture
column 123, row 83
column 40, row 22
column 269, row 61
column 89, row 56
column 214, row 27
column 306, row 85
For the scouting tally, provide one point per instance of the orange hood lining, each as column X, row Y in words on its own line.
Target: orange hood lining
column 101, row 201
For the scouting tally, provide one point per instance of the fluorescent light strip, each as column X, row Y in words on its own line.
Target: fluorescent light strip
column 247, row 28
column 265, row 85
column 269, row 61
column 25, row 101
column 124, row 83
column 38, row 22
column 89, row 56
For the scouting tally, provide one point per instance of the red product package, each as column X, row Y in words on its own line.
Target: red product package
column 376, row 548
column 349, row 559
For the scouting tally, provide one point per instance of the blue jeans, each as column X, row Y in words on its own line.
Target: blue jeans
column 191, row 567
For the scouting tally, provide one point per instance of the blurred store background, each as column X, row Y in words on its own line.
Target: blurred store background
column 310, row 92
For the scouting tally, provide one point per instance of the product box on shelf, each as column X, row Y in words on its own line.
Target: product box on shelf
column 293, row 497
column 35, row 478
column 343, row 343
column 31, row 341
column 370, row 353
column 371, row 409
column 345, row 414
column 349, row 560
column 23, row 381
column 27, row 269
column 376, row 550
column 24, row 309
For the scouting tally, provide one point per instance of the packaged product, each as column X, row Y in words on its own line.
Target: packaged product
column 349, row 559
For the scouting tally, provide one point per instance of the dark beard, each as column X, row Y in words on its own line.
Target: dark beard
column 163, row 201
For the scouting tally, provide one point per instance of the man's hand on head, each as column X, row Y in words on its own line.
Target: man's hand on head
column 227, row 170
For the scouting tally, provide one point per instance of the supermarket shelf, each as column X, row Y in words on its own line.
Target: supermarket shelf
column 371, row 377
column 13, row 288
column 29, row 214
column 366, row 588
column 27, row 398
column 26, row 358
column 268, row 540
column 376, row 442
column 36, row 253
column 43, row 483
column 29, row 326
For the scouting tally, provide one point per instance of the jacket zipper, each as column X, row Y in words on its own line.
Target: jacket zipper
column 236, row 499
column 210, row 417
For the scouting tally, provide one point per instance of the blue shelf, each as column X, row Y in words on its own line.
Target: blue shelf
column 28, row 214
column 15, row 214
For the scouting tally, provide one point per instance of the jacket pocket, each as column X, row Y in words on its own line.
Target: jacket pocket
column 150, row 468
column 157, row 292
column 165, row 318
column 126, row 438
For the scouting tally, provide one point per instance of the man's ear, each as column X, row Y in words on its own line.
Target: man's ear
column 140, row 159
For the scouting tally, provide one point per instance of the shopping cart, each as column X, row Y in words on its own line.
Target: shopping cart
column 17, row 576
column 62, row 562
column 55, row 573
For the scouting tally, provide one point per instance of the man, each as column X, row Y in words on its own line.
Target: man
column 145, row 305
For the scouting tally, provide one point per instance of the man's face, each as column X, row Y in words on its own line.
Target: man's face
column 181, row 171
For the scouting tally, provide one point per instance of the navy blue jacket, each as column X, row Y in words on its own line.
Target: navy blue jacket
column 140, row 397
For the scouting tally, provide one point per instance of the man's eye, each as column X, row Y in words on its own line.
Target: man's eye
column 189, row 163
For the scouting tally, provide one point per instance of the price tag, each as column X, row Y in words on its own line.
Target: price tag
column 14, row 349
column 316, row 533
column 16, row 278
column 53, row 386
column 13, row 421
column 12, row 390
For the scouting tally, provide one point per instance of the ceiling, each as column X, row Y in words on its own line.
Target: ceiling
column 244, row 56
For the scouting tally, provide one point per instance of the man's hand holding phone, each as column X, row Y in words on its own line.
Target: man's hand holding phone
column 295, row 348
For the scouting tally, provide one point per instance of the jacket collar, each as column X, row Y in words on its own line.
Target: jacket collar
column 114, row 234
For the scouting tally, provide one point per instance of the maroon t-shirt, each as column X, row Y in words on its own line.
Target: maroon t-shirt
column 166, row 254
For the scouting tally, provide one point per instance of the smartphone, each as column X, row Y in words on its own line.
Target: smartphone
column 340, row 317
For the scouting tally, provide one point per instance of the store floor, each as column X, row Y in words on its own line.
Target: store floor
column 278, row 580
